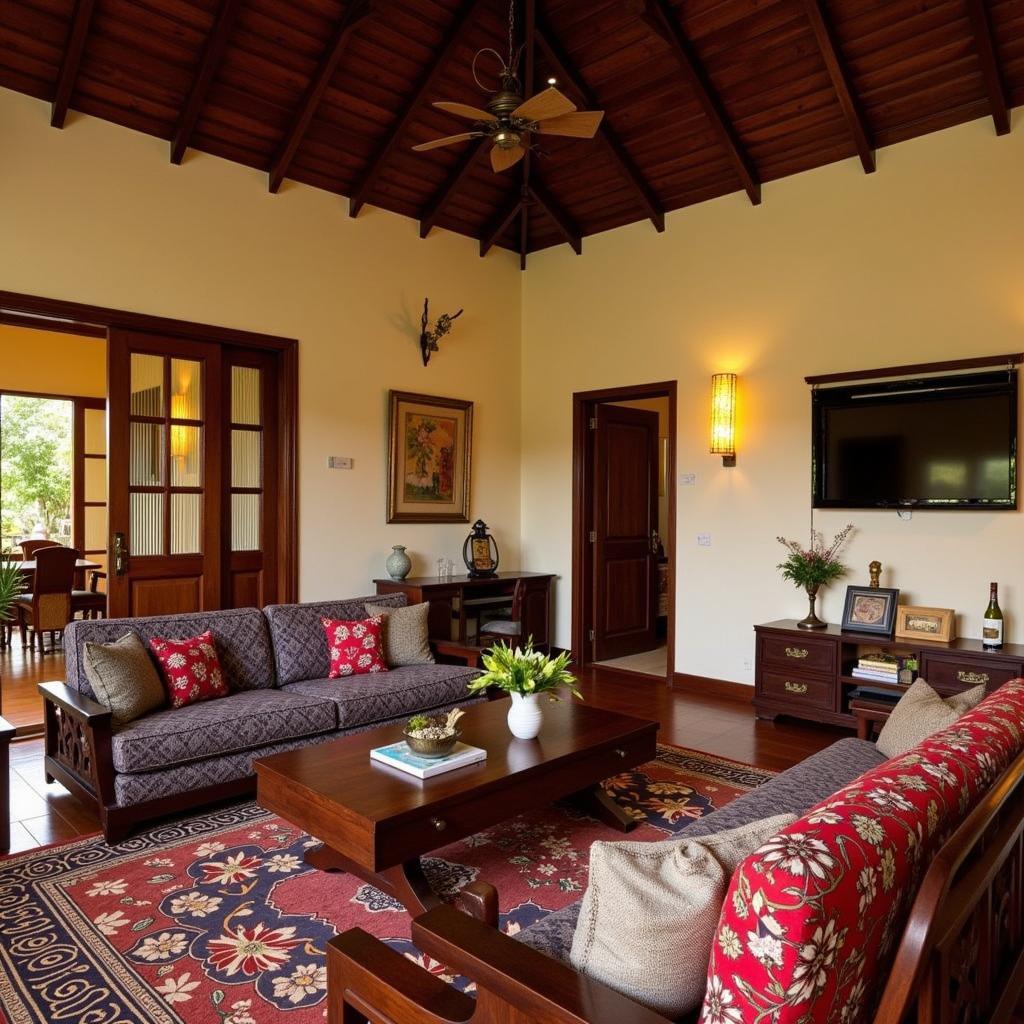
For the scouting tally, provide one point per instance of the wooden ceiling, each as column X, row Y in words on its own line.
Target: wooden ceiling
column 703, row 97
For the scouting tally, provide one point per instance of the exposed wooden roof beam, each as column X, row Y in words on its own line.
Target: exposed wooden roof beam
column 71, row 61
column 494, row 233
column 836, row 67
column 208, row 65
column 356, row 11
column 986, row 47
column 663, row 21
column 529, row 89
column 371, row 175
column 566, row 73
column 565, row 226
column 430, row 215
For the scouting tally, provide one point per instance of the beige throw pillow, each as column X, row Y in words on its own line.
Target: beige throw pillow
column 405, row 634
column 920, row 713
column 124, row 678
column 650, row 913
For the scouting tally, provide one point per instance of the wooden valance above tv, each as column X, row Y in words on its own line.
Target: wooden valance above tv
column 950, row 366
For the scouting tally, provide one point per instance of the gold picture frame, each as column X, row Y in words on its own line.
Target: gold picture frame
column 914, row 623
column 430, row 444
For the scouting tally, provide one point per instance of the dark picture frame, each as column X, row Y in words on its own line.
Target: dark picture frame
column 429, row 476
column 870, row 610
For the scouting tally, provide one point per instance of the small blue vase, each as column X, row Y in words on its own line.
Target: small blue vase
column 398, row 563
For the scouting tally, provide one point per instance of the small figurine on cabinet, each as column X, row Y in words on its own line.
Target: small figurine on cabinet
column 480, row 552
column 875, row 570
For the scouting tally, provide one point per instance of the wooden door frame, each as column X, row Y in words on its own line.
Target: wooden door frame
column 42, row 313
column 584, row 404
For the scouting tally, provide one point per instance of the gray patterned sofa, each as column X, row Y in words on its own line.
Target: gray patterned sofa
column 276, row 663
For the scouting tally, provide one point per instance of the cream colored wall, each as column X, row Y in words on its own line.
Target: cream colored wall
column 51, row 363
column 836, row 270
column 98, row 214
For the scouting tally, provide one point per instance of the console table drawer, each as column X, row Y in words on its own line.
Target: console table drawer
column 797, row 689
column 951, row 675
column 799, row 655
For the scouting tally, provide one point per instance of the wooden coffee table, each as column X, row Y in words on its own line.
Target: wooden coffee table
column 377, row 822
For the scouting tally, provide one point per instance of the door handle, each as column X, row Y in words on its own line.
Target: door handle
column 120, row 555
column 655, row 541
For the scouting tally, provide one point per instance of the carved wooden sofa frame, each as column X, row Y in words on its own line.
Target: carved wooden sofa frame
column 960, row 958
column 79, row 755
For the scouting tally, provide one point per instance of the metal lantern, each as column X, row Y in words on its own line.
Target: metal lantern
column 480, row 552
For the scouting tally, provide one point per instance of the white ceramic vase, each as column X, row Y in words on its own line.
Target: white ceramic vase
column 525, row 716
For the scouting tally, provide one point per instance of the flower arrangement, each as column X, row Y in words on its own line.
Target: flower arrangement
column 816, row 566
column 12, row 585
column 525, row 671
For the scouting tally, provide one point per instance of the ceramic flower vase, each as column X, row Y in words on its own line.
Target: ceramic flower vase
column 525, row 716
column 398, row 563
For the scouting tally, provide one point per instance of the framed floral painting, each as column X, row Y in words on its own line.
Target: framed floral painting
column 429, row 455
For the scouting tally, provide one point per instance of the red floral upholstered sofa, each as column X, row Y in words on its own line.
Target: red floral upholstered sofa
column 897, row 897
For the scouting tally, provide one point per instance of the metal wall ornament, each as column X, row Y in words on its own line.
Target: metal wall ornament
column 429, row 337
column 480, row 552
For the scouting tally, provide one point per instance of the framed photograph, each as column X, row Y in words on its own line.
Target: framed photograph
column 429, row 454
column 870, row 610
column 924, row 623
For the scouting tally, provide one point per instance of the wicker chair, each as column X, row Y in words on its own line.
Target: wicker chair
column 48, row 608
column 91, row 603
column 30, row 547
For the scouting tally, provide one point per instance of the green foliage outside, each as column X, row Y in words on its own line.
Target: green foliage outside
column 35, row 468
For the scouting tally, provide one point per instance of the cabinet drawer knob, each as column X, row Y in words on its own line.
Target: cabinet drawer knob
column 795, row 687
column 619, row 752
column 972, row 678
column 796, row 652
column 439, row 823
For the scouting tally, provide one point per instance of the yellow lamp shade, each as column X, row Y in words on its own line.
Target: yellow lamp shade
column 179, row 435
column 723, row 417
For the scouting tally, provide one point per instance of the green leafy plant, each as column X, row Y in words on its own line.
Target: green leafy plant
column 418, row 722
column 816, row 566
column 12, row 585
column 525, row 670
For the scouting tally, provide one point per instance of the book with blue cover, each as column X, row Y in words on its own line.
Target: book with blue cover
column 398, row 755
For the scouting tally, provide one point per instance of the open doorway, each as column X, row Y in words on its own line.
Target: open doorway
column 623, row 614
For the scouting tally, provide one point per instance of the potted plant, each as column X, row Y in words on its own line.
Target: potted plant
column 12, row 586
column 525, row 674
column 813, row 568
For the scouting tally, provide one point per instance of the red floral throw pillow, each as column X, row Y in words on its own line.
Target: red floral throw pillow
column 190, row 668
column 811, row 922
column 355, row 647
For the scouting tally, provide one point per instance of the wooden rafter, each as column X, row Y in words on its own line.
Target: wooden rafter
column 567, row 74
column 493, row 234
column 985, row 45
column 840, row 77
column 431, row 213
column 71, row 61
column 529, row 88
column 208, row 65
column 663, row 22
column 565, row 226
column 371, row 175
column 356, row 11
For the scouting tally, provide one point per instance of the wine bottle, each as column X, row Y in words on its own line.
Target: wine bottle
column 992, row 631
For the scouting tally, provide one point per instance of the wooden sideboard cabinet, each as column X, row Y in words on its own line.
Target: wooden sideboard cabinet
column 807, row 673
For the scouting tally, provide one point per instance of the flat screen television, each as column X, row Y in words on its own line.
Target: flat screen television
column 941, row 442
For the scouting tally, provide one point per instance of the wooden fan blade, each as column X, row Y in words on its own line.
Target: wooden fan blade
column 549, row 103
column 582, row 124
column 446, row 141
column 503, row 159
column 464, row 110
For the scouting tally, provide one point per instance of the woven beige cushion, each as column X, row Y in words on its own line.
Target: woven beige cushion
column 650, row 912
column 123, row 678
column 921, row 712
column 405, row 634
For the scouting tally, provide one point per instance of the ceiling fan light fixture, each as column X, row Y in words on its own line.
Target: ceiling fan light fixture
column 506, row 138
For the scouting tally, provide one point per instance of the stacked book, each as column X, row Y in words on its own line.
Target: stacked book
column 878, row 667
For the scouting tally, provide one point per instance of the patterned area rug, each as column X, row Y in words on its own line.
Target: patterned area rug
column 215, row 918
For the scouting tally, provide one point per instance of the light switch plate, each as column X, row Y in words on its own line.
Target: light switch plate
column 339, row 462
column 688, row 480
column 704, row 540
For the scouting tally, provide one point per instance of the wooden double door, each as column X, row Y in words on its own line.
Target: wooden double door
column 195, row 475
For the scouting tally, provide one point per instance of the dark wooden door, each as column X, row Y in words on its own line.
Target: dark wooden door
column 625, row 531
column 164, row 458
column 251, row 480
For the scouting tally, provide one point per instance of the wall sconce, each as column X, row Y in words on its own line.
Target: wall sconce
column 723, row 417
column 180, row 447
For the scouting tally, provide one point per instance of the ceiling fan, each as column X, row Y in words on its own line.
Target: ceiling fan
column 509, row 121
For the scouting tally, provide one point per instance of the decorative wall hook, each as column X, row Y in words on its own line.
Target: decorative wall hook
column 429, row 338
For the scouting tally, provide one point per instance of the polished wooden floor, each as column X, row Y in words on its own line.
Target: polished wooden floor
column 21, row 670
column 42, row 813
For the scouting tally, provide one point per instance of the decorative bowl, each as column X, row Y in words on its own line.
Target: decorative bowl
column 430, row 747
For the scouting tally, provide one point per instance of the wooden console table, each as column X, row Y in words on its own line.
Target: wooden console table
column 453, row 601
column 807, row 673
